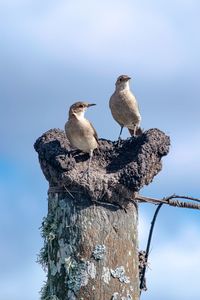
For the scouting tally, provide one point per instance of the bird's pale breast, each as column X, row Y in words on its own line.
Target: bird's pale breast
column 81, row 134
column 125, row 109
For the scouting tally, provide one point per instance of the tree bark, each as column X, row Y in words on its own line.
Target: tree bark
column 92, row 250
column 90, row 233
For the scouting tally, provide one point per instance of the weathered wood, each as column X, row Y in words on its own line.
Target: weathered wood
column 90, row 231
column 88, row 245
column 117, row 170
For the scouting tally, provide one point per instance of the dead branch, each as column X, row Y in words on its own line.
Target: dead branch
column 170, row 201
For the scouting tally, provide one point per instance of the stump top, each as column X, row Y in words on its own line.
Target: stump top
column 117, row 170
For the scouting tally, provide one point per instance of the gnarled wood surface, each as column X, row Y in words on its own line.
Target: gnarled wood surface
column 90, row 231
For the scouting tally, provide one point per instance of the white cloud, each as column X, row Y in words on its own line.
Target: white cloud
column 124, row 35
column 106, row 35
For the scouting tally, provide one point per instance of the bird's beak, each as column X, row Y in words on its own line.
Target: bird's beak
column 91, row 104
column 128, row 78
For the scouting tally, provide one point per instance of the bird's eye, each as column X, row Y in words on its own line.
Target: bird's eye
column 81, row 105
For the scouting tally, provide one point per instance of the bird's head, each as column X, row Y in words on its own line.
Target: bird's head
column 78, row 109
column 122, row 82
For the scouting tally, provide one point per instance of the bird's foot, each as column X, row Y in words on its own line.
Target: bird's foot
column 119, row 141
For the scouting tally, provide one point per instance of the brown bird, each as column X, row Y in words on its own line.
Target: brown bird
column 79, row 131
column 124, row 107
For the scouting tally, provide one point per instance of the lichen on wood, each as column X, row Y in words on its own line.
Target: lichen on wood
column 78, row 229
column 90, row 233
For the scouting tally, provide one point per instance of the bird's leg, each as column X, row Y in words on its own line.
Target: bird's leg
column 119, row 138
column 134, row 130
column 87, row 171
column 91, row 155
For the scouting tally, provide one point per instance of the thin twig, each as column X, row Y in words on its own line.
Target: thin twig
column 69, row 192
column 60, row 189
column 107, row 203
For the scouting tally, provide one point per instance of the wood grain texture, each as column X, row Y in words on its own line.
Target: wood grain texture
column 90, row 233
column 86, row 245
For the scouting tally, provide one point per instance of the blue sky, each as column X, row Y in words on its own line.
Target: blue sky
column 55, row 53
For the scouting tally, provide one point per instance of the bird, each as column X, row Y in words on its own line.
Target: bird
column 124, row 107
column 79, row 131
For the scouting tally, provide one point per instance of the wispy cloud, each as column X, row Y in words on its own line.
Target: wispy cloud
column 111, row 34
column 121, row 34
column 54, row 52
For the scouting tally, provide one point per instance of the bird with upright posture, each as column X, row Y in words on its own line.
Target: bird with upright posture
column 79, row 131
column 124, row 107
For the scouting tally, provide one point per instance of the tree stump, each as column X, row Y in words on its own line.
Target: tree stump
column 90, row 233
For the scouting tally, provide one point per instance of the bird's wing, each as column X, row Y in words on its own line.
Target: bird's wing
column 95, row 133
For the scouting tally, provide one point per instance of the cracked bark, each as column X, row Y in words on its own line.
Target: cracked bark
column 90, row 231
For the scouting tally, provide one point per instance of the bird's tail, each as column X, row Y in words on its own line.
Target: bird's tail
column 136, row 132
